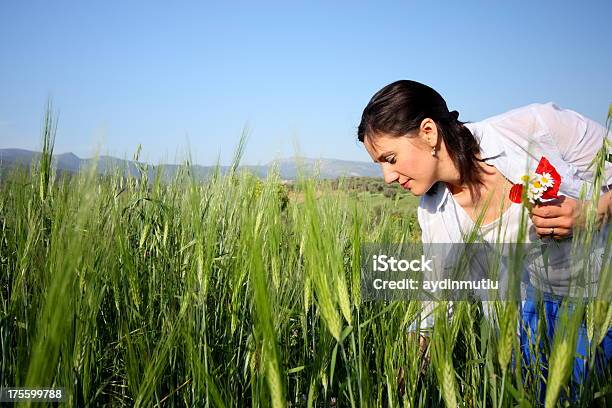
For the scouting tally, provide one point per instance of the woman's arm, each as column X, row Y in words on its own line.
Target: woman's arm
column 578, row 140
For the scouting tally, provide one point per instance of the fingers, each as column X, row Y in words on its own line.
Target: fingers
column 548, row 210
column 559, row 207
column 547, row 223
column 555, row 218
column 556, row 233
column 557, row 228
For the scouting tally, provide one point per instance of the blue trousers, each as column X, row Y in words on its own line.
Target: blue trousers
column 533, row 353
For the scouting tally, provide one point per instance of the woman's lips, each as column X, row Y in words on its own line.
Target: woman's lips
column 406, row 185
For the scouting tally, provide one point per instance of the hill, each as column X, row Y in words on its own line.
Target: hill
column 289, row 168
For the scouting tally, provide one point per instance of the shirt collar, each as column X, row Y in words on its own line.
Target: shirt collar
column 434, row 199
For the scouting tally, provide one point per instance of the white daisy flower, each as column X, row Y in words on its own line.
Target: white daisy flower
column 546, row 180
column 536, row 187
column 534, row 195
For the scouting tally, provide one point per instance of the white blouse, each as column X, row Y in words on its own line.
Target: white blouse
column 514, row 142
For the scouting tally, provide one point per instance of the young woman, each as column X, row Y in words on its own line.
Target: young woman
column 464, row 171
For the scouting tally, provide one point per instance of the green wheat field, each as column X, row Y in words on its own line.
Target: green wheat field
column 234, row 291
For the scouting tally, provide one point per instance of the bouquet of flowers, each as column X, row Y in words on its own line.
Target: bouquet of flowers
column 542, row 185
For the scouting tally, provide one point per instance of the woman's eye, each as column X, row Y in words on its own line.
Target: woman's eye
column 390, row 159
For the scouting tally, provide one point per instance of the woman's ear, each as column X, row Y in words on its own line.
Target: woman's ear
column 429, row 132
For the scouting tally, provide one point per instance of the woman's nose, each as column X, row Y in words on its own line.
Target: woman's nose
column 389, row 174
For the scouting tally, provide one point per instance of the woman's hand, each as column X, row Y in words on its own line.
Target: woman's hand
column 557, row 218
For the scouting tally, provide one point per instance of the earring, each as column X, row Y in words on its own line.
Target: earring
column 433, row 149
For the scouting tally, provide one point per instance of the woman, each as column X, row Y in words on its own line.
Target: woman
column 464, row 173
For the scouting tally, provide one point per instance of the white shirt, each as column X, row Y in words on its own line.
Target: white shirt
column 514, row 142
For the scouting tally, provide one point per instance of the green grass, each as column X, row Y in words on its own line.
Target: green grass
column 132, row 292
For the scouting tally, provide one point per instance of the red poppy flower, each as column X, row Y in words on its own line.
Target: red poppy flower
column 544, row 166
column 516, row 193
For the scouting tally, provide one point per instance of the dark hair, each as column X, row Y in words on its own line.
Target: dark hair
column 400, row 107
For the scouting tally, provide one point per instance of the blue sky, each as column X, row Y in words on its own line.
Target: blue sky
column 192, row 75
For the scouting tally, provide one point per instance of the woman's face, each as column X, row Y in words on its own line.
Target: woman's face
column 406, row 159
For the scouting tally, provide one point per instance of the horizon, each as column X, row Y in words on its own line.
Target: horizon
column 242, row 163
column 191, row 78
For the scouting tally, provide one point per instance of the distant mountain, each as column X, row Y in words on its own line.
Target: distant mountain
column 288, row 168
column 326, row 168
